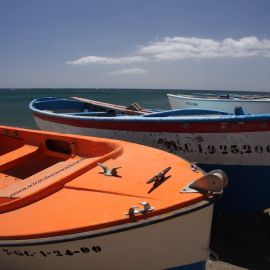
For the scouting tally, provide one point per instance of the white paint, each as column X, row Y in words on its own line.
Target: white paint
column 174, row 242
column 256, row 106
column 253, row 147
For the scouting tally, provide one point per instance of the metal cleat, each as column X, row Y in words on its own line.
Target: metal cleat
column 132, row 211
column 213, row 182
column 194, row 167
column 107, row 171
column 158, row 179
column 159, row 176
column 146, row 207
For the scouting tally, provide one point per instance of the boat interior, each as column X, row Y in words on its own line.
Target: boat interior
column 72, row 107
column 33, row 166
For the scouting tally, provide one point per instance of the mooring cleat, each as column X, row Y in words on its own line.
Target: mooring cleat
column 107, row 171
column 147, row 207
column 132, row 211
column 158, row 179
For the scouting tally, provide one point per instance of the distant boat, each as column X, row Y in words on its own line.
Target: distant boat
column 236, row 143
column 74, row 202
column 228, row 102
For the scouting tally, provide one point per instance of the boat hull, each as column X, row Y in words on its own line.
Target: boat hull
column 155, row 243
column 226, row 105
column 243, row 153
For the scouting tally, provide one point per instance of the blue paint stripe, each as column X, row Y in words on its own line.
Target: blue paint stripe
column 193, row 266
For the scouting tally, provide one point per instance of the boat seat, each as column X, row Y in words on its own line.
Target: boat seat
column 55, row 175
column 11, row 158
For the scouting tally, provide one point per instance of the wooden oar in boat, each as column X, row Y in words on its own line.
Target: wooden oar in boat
column 133, row 109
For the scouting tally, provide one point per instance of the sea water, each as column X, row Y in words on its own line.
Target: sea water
column 14, row 110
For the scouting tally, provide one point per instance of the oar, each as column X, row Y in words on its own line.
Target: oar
column 112, row 106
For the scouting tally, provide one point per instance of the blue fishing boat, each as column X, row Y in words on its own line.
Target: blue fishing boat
column 236, row 143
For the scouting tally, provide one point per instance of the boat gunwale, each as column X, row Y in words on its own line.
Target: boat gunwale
column 114, row 229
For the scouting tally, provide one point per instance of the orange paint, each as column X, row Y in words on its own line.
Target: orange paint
column 50, row 184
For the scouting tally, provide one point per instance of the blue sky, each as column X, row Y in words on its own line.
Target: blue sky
column 180, row 44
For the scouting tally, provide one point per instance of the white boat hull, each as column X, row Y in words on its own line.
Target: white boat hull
column 174, row 240
column 257, row 106
column 244, row 156
column 247, row 148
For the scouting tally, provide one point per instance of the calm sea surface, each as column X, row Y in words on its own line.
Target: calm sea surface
column 14, row 102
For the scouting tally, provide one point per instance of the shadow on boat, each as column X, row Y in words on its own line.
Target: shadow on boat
column 242, row 240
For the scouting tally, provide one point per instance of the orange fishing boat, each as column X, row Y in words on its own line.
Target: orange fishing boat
column 74, row 202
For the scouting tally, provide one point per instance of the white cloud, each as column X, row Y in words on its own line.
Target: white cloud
column 107, row 60
column 129, row 71
column 177, row 48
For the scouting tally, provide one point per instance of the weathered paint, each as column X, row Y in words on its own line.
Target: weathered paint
column 245, row 148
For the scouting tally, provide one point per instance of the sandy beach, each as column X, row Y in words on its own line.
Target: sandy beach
column 241, row 242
